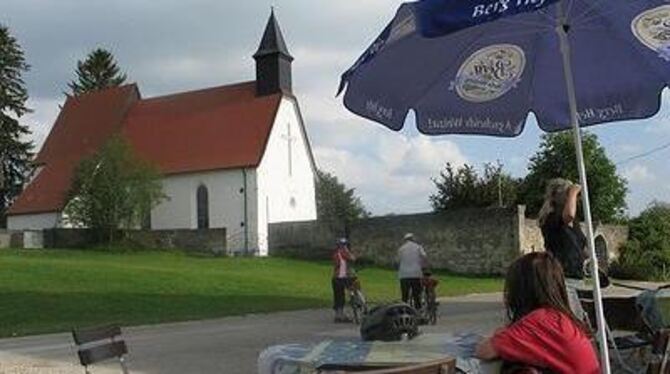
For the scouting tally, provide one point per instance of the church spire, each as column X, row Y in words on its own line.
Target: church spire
column 273, row 61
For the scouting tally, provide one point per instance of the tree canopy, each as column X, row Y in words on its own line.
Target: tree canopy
column 337, row 206
column 113, row 189
column 15, row 151
column 556, row 158
column 463, row 187
column 646, row 255
column 98, row 71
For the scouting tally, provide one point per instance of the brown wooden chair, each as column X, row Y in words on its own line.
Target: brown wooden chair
column 99, row 344
column 442, row 366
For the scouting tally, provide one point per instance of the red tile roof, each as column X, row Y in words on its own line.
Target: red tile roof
column 83, row 125
column 218, row 128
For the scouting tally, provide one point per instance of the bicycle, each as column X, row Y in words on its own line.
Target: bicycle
column 429, row 303
column 357, row 300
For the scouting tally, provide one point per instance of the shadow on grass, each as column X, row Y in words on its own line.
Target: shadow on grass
column 29, row 313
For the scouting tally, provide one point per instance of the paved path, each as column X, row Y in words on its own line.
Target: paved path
column 231, row 345
column 227, row 345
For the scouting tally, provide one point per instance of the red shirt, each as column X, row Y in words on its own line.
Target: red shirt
column 341, row 257
column 546, row 338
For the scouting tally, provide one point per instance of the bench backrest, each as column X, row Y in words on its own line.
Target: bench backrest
column 99, row 344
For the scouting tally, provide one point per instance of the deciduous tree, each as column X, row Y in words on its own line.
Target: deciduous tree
column 463, row 187
column 556, row 159
column 113, row 189
column 337, row 206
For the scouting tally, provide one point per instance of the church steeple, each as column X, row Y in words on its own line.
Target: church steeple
column 273, row 61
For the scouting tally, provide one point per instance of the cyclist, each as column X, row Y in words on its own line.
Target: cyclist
column 342, row 256
column 411, row 259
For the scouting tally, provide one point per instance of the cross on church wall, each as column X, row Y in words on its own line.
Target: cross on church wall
column 289, row 140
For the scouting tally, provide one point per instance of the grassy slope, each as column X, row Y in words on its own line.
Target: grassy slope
column 47, row 291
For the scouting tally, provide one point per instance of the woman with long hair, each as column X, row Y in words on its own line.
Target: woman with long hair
column 542, row 332
column 563, row 236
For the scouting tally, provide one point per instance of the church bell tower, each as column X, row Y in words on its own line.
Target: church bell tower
column 273, row 62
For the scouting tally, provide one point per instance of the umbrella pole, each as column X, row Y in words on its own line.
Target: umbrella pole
column 562, row 30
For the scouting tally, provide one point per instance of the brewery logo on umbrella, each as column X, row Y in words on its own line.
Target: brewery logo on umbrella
column 490, row 73
column 652, row 28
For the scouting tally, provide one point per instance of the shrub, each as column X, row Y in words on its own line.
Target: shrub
column 646, row 256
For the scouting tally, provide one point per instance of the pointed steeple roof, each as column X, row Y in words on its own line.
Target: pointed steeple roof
column 273, row 40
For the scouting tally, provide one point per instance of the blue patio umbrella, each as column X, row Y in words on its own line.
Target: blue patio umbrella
column 482, row 66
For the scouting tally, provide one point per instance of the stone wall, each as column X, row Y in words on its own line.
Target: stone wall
column 472, row 241
column 611, row 236
column 5, row 239
column 11, row 239
column 615, row 237
column 210, row 240
column 307, row 240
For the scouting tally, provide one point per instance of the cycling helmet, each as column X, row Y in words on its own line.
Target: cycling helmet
column 390, row 323
column 342, row 242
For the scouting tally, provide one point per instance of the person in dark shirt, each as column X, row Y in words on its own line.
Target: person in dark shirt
column 563, row 236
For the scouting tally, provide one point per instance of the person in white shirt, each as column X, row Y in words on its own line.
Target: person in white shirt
column 411, row 259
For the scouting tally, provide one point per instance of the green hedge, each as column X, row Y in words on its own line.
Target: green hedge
column 646, row 256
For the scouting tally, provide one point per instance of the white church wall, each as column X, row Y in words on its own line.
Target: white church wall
column 38, row 221
column 226, row 195
column 286, row 190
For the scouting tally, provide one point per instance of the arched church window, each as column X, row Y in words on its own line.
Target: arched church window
column 202, row 197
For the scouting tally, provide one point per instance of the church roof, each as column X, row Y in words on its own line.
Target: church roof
column 273, row 40
column 83, row 125
column 217, row 128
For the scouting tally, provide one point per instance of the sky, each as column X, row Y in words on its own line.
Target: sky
column 170, row 46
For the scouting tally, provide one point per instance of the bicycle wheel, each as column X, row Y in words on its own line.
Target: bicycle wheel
column 358, row 306
column 423, row 308
column 432, row 309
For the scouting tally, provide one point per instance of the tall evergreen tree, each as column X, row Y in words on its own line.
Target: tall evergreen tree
column 15, row 150
column 98, row 71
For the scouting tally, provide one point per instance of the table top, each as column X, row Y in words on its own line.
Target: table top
column 308, row 358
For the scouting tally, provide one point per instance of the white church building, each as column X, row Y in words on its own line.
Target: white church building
column 234, row 157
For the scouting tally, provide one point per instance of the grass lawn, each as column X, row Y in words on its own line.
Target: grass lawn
column 49, row 291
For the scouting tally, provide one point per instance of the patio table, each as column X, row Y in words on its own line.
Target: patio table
column 353, row 353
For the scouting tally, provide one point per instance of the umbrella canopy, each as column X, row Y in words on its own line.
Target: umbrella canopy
column 487, row 79
column 481, row 66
